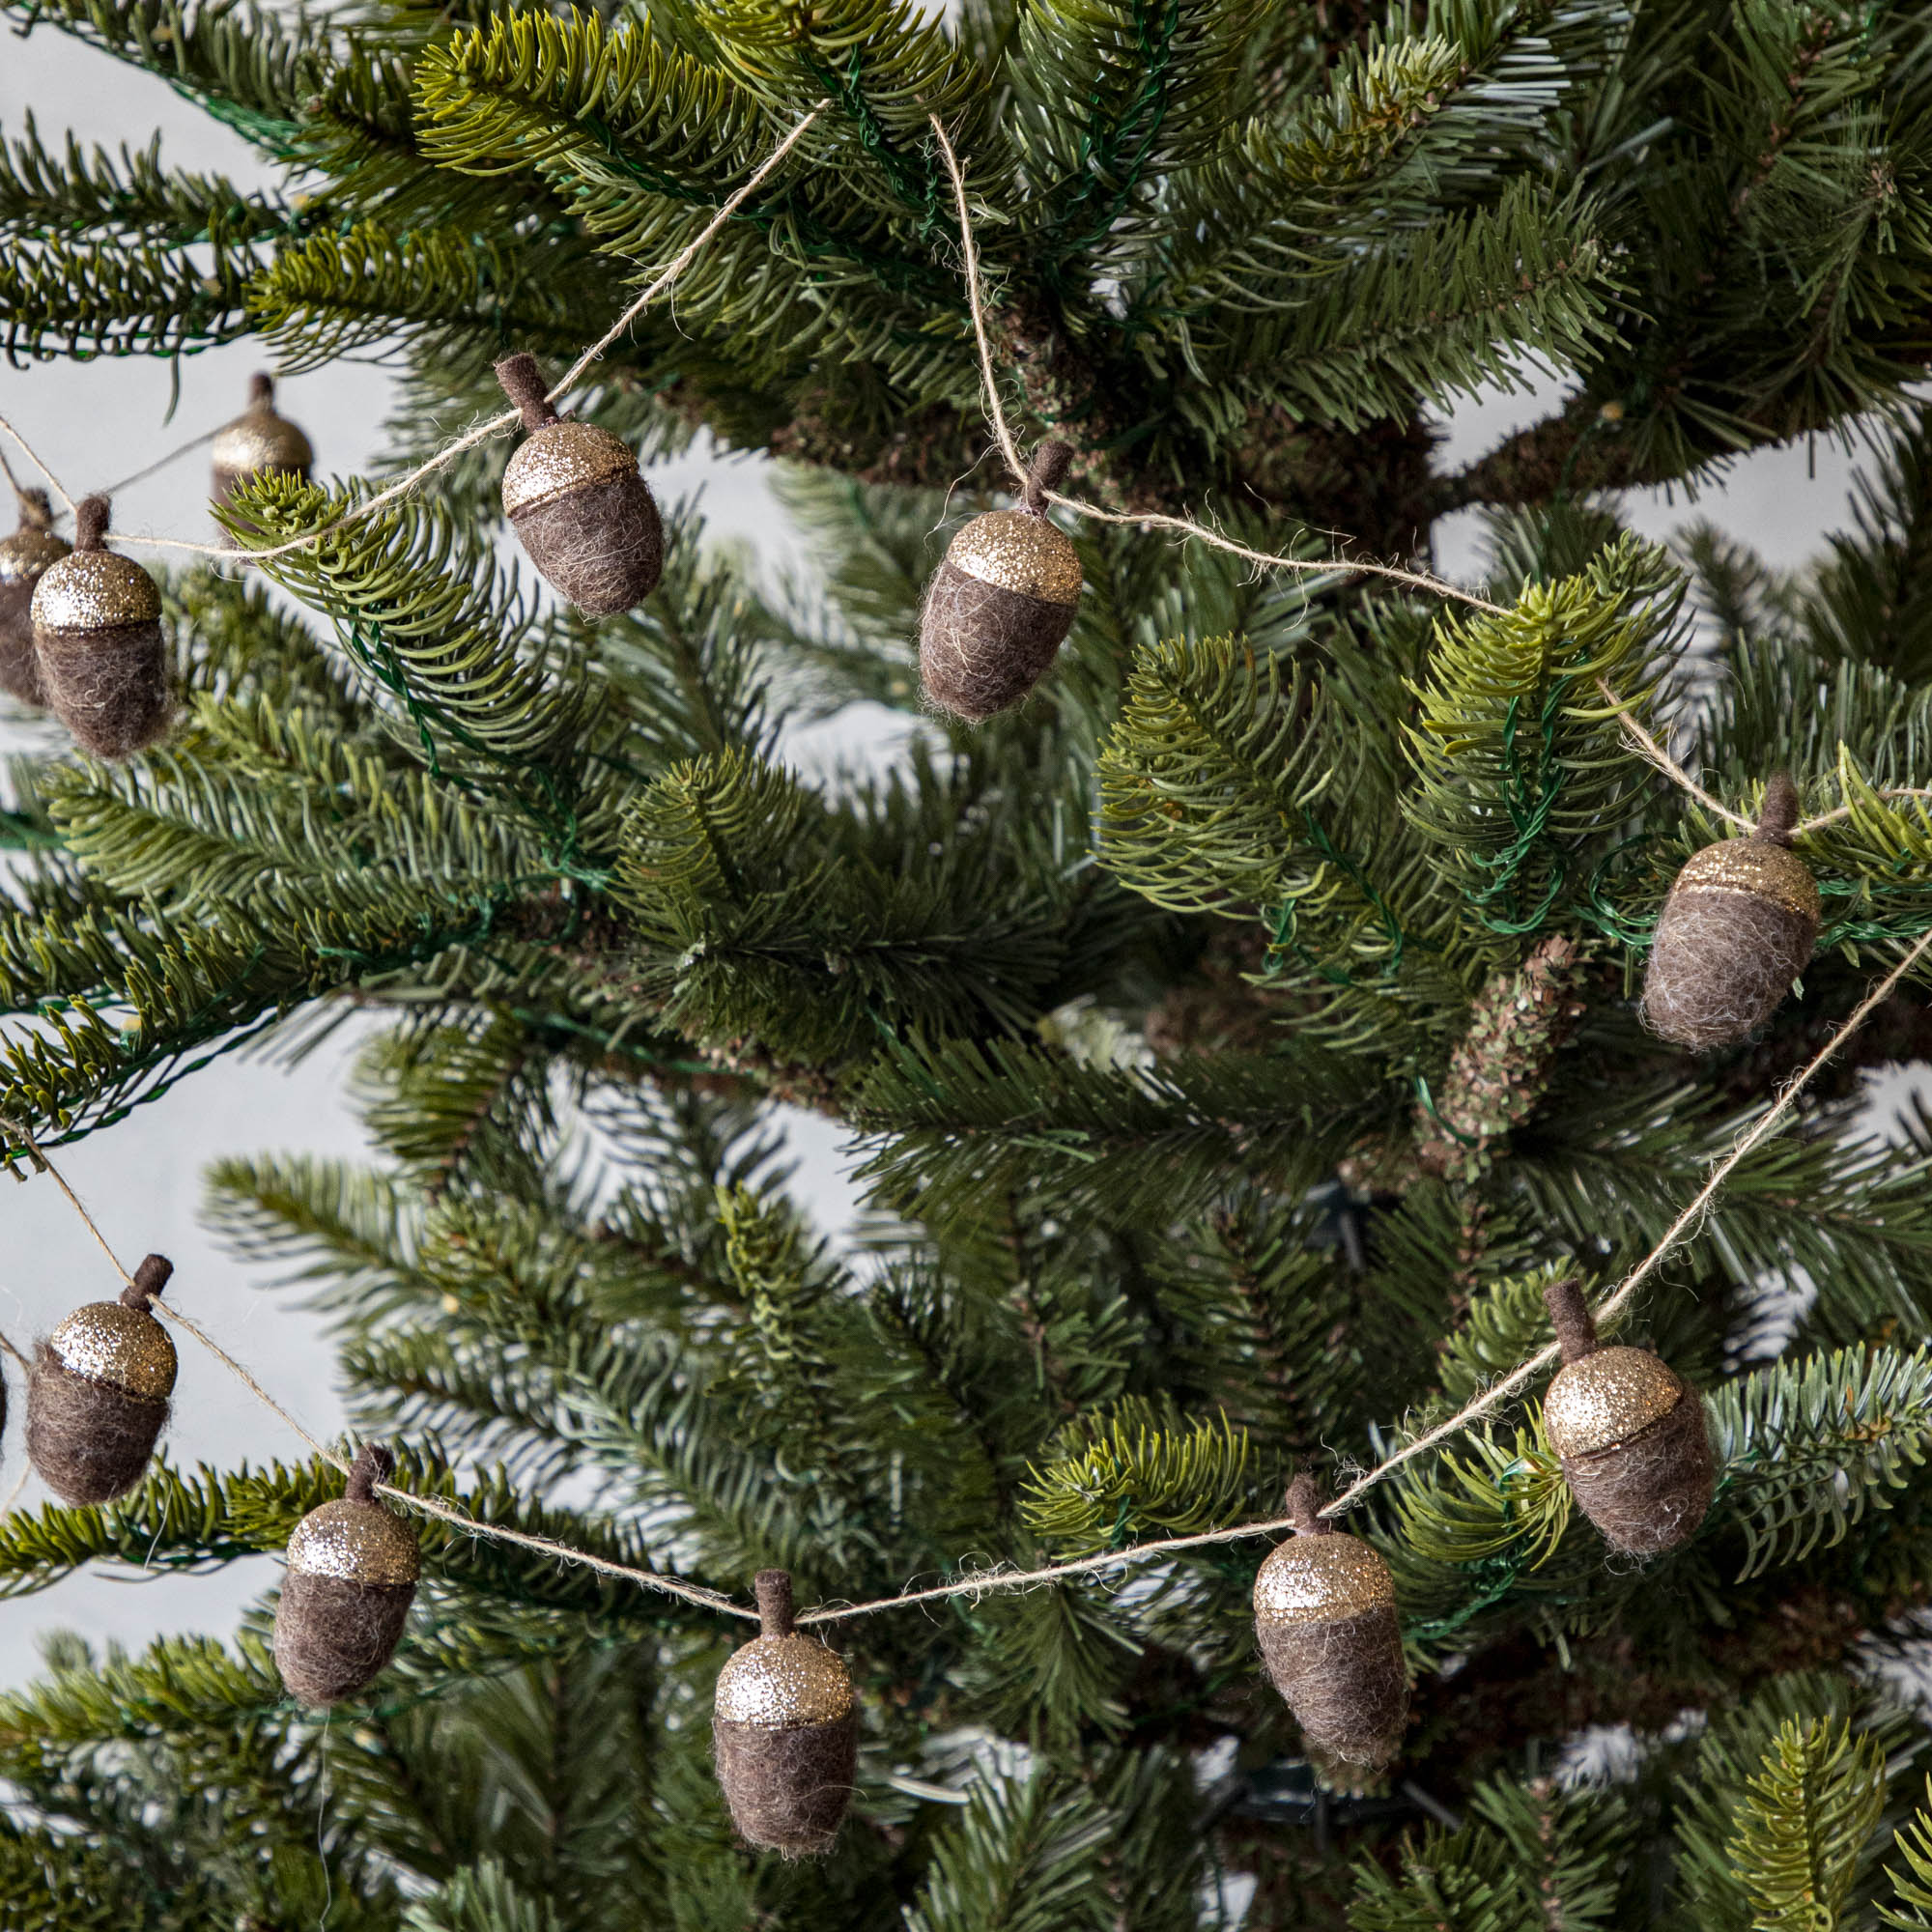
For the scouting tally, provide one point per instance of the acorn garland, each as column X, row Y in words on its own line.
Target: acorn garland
column 24, row 557
column 1325, row 1615
column 1001, row 603
column 1631, row 1436
column 351, row 1577
column 97, row 643
column 97, row 1394
column 785, row 1729
column 1737, row 929
column 258, row 442
column 579, row 502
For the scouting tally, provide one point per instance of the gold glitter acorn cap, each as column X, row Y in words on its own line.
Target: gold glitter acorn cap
column 1321, row 1578
column 1015, row 550
column 561, row 457
column 1760, row 866
column 92, row 589
column 126, row 1347
column 782, row 1681
column 28, row 552
column 260, row 438
column 356, row 1541
column 1606, row 1398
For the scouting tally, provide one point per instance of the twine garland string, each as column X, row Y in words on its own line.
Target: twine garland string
column 1647, row 748
column 1416, row 580
column 404, row 485
column 984, row 1581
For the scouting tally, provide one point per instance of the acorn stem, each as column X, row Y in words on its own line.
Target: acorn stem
column 36, row 510
column 90, row 523
column 373, row 1464
column 773, row 1590
column 150, row 1278
column 1576, row 1327
column 1305, row 1497
column 1781, row 811
column 1047, row 472
column 261, row 390
column 523, row 383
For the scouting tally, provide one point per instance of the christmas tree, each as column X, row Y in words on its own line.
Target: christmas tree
column 1242, row 1033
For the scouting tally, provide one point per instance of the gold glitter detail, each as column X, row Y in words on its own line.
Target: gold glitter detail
column 1017, row 552
column 261, row 441
column 95, row 591
column 783, row 1682
column 1607, row 1398
column 1319, row 1580
column 126, row 1347
column 562, row 457
column 357, row 1543
column 26, row 553
column 1753, row 865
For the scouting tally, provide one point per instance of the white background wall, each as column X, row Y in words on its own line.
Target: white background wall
column 97, row 421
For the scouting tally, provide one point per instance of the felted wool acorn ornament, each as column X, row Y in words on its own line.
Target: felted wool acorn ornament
column 785, row 1729
column 1002, row 602
column 1631, row 1436
column 351, row 1577
column 97, row 1394
column 258, row 442
column 1325, row 1614
column 97, row 643
column 578, row 503
column 1735, row 932
column 23, row 557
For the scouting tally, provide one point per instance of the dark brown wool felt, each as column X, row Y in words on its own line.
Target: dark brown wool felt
column 785, row 1732
column 97, row 1394
column 581, row 508
column 1001, row 603
column 351, row 1577
column 23, row 557
column 258, row 442
column 97, row 643
column 1631, row 1436
column 1737, row 929
column 1326, row 1618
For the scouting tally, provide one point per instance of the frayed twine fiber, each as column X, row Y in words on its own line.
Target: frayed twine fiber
column 787, row 1784
column 1729, row 942
column 336, row 1631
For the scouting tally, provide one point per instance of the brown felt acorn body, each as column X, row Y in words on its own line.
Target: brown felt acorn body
column 24, row 557
column 1001, row 603
column 1629, row 1433
column 258, row 442
column 1325, row 1615
column 785, row 1728
column 1737, row 929
column 578, row 503
column 97, row 643
column 351, row 1577
column 97, row 1394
